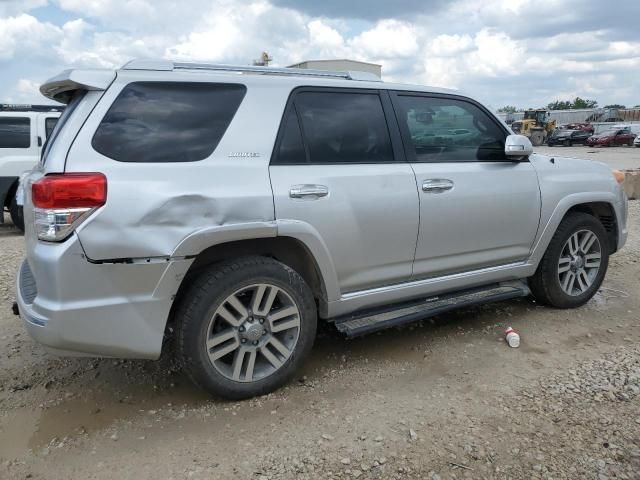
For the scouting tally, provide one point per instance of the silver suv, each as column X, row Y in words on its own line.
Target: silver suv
column 233, row 206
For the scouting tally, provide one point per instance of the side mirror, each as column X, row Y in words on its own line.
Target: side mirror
column 517, row 147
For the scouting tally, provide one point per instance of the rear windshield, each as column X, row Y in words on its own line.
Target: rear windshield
column 15, row 132
column 167, row 121
column 76, row 98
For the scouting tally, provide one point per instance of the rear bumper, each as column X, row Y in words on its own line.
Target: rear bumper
column 74, row 307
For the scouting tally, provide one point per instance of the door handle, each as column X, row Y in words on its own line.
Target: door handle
column 308, row 191
column 437, row 185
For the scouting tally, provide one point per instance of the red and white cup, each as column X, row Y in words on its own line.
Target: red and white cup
column 512, row 337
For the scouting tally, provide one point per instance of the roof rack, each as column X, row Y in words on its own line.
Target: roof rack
column 16, row 107
column 167, row 65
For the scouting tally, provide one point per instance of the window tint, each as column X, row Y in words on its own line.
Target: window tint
column 15, row 132
column 291, row 149
column 344, row 127
column 449, row 130
column 167, row 122
column 75, row 99
column 49, row 125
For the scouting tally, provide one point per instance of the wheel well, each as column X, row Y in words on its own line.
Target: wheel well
column 287, row 250
column 605, row 213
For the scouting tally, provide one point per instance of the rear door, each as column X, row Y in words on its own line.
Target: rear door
column 477, row 209
column 335, row 168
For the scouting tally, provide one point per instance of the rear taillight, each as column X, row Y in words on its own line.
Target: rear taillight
column 63, row 201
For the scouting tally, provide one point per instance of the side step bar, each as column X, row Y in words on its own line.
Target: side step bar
column 361, row 323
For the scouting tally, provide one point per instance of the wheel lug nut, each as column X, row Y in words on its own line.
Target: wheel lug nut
column 241, row 329
column 262, row 320
column 255, row 342
column 244, row 340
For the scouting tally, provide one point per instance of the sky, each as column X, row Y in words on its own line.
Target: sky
column 525, row 53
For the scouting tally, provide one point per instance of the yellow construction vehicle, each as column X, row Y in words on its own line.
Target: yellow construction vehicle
column 535, row 125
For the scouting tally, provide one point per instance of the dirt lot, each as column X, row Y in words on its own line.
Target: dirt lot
column 443, row 399
column 617, row 157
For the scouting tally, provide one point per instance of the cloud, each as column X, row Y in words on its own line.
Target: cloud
column 16, row 7
column 387, row 39
column 24, row 33
column 503, row 51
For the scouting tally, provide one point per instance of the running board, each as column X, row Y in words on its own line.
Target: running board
column 361, row 323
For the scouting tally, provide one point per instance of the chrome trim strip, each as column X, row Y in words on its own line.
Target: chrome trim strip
column 428, row 281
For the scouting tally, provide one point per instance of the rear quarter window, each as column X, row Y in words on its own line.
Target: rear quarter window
column 167, row 121
column 15, row 132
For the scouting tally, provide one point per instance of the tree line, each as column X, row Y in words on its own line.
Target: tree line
column 575, row 104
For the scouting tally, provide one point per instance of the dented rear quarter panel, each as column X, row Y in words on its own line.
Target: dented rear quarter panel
column 153, row 207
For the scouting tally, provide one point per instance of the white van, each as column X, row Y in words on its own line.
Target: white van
column 23, row 131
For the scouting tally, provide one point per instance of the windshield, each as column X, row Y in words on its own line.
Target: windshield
column 77, row 97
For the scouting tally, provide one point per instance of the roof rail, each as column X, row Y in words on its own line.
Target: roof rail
column 16, row 107
column 167, row 65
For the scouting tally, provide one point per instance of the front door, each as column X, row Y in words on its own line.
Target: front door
column 334, row 168
column 477, row 209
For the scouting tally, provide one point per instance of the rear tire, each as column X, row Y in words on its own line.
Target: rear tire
column 229, row 341
column 17, row 215
column 574, row 265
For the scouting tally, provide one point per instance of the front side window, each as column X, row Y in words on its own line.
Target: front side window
column 167, row 121
column 448, row 130
column 343, row 127
column 15, row 132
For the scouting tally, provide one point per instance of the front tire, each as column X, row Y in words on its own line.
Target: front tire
column 574, row 265
column 245, row 326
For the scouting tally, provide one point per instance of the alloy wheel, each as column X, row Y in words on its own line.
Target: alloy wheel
column 253, row 332
column 579, row 262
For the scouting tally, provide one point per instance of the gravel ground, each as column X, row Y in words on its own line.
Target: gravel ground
column 442, row 399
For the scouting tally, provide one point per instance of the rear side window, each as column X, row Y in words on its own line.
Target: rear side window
column 338, row 128
column 15, row 132
column 167, row 121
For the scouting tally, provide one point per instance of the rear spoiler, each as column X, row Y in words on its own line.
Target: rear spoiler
column 61, row 87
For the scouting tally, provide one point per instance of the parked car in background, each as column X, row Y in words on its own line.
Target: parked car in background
column 155, row 216
column 636, row 141
column 612, row 138
column 24, row 129
column 568, row 137
column 587, row 127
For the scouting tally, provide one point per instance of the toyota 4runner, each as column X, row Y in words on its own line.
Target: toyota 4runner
column 234, row 206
